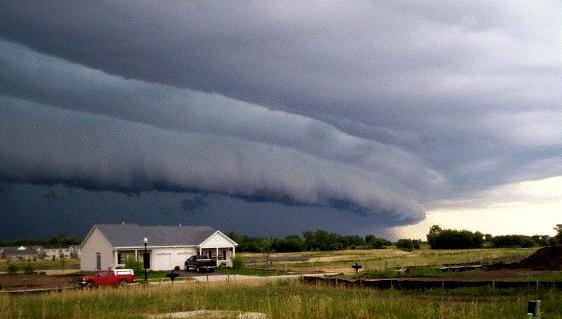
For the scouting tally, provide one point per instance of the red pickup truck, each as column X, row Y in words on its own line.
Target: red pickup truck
column 110, row 277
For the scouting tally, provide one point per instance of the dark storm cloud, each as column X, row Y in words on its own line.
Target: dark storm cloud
column 190, row 205
column 48, row 145
column 376, row 107
column 62, row 84
column 23, row 204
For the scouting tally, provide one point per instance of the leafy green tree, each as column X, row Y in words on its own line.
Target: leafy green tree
column 62, row 240
column 454, row 239
column 408, row 244
column 513, row 241
column 238, row 262
column 28, row 268
column 12, row 268
column 322, row 240
column 541, row 240
column 136, row 265
column 292, row 243
column 375, row 242
column 266, row 247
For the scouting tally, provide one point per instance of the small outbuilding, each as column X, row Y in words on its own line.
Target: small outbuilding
column 109, row 245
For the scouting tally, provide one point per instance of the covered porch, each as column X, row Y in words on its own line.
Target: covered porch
column 222, row 255
column 120, row 256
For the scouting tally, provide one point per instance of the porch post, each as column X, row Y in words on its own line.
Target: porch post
column 115, row 261
column 136, row 255
column 200, row 250
column 233, row 251
column 217, row 255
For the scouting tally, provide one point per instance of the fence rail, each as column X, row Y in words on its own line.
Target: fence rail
column 429, row 284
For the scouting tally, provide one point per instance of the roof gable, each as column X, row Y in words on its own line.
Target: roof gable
column 132, row 235
column 217, row 235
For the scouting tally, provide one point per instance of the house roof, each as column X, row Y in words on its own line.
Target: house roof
column 132, row 235
column 21, row 250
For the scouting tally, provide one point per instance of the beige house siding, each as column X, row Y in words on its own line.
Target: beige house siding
column 57, row 253
column 96, row 243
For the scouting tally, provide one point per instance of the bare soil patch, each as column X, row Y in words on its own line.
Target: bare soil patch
column 35, row 281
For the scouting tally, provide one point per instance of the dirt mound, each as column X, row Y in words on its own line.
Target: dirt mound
column 547, row 258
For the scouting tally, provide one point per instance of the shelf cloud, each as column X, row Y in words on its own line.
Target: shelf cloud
column 370, row 111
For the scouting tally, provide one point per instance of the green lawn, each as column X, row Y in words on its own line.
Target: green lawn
column 282, row 300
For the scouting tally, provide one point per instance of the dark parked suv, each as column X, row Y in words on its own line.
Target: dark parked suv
column 200, row 263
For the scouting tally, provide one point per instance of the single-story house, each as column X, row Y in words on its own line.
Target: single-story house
column 109, row 245
column 60, row 252
column 22, row 252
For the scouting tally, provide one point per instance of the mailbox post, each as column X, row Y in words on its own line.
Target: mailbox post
column 534, row 309
column 356, row 266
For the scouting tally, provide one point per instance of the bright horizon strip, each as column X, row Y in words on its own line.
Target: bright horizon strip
column 524, row 208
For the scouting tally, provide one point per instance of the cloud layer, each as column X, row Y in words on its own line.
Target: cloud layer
column 93, row 151
column 383, row 109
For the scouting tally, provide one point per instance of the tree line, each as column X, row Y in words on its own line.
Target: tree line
column 59, row 240
column 439, row 238
column 319, row 240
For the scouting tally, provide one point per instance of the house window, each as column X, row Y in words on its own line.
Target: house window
column 98, row 261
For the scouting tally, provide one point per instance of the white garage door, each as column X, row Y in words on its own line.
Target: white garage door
column 180, row 259
column 163, row 261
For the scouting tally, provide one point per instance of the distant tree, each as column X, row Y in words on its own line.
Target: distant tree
column 6, row 243
column 245, row 243
column 513, row 241
column 351, row 241
column 62, row 240
column 322, row 240
column 375, row 242
column 266, row 247
column 291, row 243
column 433, row 236
column 453, row 239
column 59, row 240
column 558, row 236
column 408, row 244
column 541, row 240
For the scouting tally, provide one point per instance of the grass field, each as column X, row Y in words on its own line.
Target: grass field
column 379, row 259
column 43, row 264
column 282, row 300
column 250, row 272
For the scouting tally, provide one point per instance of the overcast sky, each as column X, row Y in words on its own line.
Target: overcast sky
column 270, row 118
